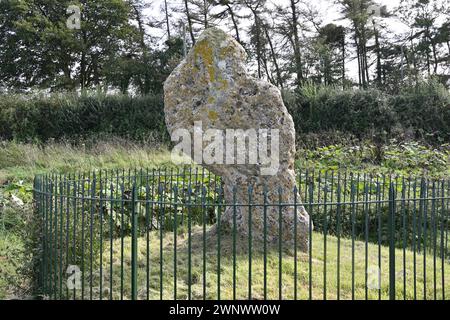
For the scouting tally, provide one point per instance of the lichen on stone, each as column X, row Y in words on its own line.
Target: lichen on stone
column 213, row 115
column 204, row 51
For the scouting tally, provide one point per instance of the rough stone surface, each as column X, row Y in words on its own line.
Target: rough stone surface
column 212, row 85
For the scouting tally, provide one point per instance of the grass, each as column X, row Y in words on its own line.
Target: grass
column 23, row 161
column 257, row 270
column 19, row 162
column 11, row 252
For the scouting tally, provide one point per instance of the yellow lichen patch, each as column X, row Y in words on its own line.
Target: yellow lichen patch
column 203, row 50
column 212, row 115
column 223, row 84
column 211, row 99
column 226, row 51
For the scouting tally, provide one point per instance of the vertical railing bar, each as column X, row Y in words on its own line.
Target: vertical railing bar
column 55, row 247
column 265, row 241
column 403, row 208
column 91, row 234
column 67, row 226
column 101, row 199
column 378, row 209
column 50, row 233
column 234, row 242
column 75, row 222
column 162, row 208
column 43, row 197
column 280, row 242
column 203, row 195
column 219, row 232
column 433, row 236
column 250, row 191
column 408, row 211
column 425, row 214
column 189, row 205
column 366, row 236
column 61, row 228
column 391, row 240
column 134, row 243
column 175, row 238
column 448, row 217
column 332, row 200
column 338, row 231
column 353, row 213
column 295, row 241
column 49, row 208
column 414, row 238
column 122, row 235
column 442, row 239
column 325, row 233
column 111, row 233
column 311, row 200
column 83, row 218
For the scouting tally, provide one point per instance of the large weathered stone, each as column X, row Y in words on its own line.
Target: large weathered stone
column 211, row 85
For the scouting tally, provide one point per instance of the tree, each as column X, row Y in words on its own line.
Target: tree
column 357, row 12
column 256, row 7
column 288, row 29
column 167, row 18
column 330, row 43
column 429, row 20
column 49, row 54
column 229, row 9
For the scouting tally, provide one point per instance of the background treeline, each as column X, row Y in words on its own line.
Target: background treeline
column 322, row 116
column 361, row 77
column 132, row 45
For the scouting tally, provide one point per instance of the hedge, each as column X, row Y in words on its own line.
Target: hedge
column 70, row 117
column 422, row 113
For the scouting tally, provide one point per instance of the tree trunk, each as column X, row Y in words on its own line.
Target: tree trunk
column 274, row 58
column 145, row 53
column 343, row 62
column 258, row 43
column 167, row 19
column 233, row 19
column 297, row 54
column 358, row 56
column 83, row 62
column 378, row 51
column 188, row 15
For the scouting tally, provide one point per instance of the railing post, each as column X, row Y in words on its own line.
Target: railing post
column 391, row 241
column 133, row 245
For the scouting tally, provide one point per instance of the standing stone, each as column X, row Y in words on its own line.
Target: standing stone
column 211, row 85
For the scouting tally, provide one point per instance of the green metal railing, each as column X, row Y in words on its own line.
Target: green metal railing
column 157, row 234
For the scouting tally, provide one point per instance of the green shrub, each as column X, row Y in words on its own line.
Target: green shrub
column 421, row 112
column 425, row 110
column 72, row 117
column 360, row 113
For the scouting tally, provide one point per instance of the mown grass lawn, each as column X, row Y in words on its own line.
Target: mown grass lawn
column 318, row 280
